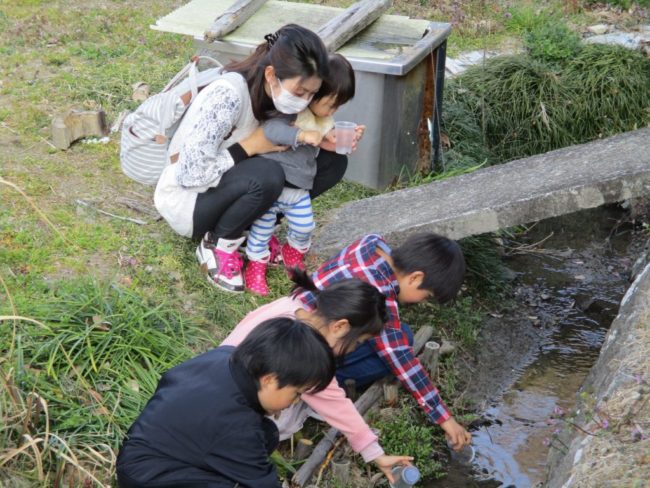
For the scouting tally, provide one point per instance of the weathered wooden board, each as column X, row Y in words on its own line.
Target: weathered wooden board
column 351, row 21
column 234, row 16
column 387, row 37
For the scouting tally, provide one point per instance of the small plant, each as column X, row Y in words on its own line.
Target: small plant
column 553, row 42
column 408, row 434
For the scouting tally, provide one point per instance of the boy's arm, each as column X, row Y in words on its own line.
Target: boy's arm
column 393, row 347
column 279, row 131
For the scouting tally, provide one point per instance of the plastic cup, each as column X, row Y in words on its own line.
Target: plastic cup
column 464, row 456
column 345, row 133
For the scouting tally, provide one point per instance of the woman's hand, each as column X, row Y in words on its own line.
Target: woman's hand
column 257, row 143
column 386, row 463
column 456, row 434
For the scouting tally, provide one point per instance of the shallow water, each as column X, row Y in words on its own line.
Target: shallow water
column 581, row 286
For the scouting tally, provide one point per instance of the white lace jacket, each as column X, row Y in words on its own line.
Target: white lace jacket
column 220, row 116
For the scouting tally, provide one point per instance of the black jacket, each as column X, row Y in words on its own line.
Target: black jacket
column 203, row 428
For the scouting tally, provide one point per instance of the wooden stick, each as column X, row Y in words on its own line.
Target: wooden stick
column 238, row 13
column 430, row 357
column 351, row 21
column 129, row 219
column 304, row 447
column 341, row 471
column 363, row 404
column 390, row 393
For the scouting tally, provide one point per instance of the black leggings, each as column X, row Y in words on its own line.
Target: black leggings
column 248, row 189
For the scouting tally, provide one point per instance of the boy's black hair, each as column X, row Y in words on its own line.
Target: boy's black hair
column 291, row 350
column 360, row 303
column 339, row 82
column 439, row 258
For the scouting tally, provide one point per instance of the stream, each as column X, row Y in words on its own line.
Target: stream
column 566, row 297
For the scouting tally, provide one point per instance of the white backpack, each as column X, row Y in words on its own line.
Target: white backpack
column 147, row 131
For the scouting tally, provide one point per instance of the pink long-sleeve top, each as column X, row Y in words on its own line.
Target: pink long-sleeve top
column 331, row 403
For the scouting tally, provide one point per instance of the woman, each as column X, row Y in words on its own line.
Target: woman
column 216, row 184
column 346, row 314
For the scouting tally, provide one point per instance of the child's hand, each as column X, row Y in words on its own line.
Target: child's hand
column 359, row 131
column 311, row 137
column 456, row 434
column 386, row 463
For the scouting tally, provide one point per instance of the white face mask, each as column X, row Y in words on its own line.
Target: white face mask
column 288, row 103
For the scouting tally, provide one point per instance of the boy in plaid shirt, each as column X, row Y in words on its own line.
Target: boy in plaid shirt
column 425, row 266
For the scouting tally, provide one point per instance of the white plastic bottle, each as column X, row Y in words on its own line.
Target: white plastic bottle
column 405, row 476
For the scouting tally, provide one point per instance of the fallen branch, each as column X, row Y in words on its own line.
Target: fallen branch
column 128, row 219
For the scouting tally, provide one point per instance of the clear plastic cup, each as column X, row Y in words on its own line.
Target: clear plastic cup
column 464, row 456
column 345, row 133
column 405, row 476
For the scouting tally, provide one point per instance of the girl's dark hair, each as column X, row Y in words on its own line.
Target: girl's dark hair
column 360, row 303
column 439, row 258
column 340, row 81
column 294, row 352
column 292, row 51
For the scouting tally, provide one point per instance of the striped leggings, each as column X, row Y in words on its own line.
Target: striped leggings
column 295, row 204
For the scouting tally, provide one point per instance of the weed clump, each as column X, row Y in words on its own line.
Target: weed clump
column 610, row 90
column 518, row 106
column 81, row 368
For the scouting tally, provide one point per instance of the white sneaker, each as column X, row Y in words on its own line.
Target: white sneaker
column 221, row 262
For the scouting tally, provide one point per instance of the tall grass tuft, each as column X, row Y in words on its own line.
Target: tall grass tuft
column 610, row 91
column 522, row 106
column 93, row 355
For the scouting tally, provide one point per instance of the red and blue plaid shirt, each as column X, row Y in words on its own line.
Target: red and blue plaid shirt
column 361, row 260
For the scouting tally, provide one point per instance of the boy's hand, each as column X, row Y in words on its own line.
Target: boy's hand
column 386, row 463
column 456, row 434
column 311, row 137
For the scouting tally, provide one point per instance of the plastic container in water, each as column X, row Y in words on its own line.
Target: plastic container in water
column 405, row 476
column 464, row 456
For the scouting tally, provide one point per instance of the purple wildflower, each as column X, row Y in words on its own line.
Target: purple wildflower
column 604, row 424
column 558, row 411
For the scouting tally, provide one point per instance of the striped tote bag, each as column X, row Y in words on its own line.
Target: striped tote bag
column 147, row 131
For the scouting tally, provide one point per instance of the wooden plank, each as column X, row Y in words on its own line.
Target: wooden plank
column 351, row 21
column 363, row 404
column 238, row 13
column 387, row 37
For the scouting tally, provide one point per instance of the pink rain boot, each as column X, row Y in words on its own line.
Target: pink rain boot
column 292, row 258
column 255, row 278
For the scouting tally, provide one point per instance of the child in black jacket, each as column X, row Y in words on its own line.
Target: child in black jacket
column 206, row 425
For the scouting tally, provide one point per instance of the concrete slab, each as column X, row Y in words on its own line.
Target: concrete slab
column 526, row 190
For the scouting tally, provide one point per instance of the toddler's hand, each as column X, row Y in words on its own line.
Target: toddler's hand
column 311, row 137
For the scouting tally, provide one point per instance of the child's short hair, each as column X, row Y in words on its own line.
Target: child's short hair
column 291, row 350
column 340, row 81
column 439, row 258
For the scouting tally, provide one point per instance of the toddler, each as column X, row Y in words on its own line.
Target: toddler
column 304, row 132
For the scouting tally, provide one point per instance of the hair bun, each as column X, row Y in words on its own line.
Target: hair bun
column 270, row 39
